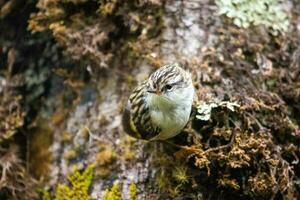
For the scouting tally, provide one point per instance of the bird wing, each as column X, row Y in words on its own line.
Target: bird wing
column 136, row 117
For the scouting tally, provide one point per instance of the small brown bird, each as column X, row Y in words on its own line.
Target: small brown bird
column 160, row 107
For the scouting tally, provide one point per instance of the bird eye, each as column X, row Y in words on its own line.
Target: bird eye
column 168, row 87
column 152, row 85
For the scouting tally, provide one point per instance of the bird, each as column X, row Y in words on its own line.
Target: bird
column 160, row 107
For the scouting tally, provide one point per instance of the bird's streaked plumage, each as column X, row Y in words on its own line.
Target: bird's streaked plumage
column 160, row 107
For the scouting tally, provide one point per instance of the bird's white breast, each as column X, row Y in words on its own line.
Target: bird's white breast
column 171, row 115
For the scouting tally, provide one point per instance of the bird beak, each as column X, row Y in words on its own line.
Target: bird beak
column 157, row 92
column 151, row 91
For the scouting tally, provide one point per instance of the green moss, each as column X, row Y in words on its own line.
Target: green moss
column 143, row 20
column 80, row 184
column 162, row 181
column 127, row 146
column 45, row 195
column 180, row 174
column 133, row 192
column 59, row 195
column 11, row 113
column 39, row 140
column 114, row 193
column 104, row 161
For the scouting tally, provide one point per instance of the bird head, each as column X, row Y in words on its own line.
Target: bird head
column 169, row 86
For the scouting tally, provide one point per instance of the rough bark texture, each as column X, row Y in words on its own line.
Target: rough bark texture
column 67, row 73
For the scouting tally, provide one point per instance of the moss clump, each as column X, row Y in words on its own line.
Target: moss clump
column 114, row 193
column 133, row 192
column 15, row 181
column 11, row 111
column 80, row 184
column 180, row 174
column 45, row 195
column 104, row 163
column 229, row 183
column 94, row 31
column 40, row 139
column 127, row 146
column 106, row 155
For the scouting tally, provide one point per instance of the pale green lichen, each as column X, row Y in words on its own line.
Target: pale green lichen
column 204, row 110
column 255, row 12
